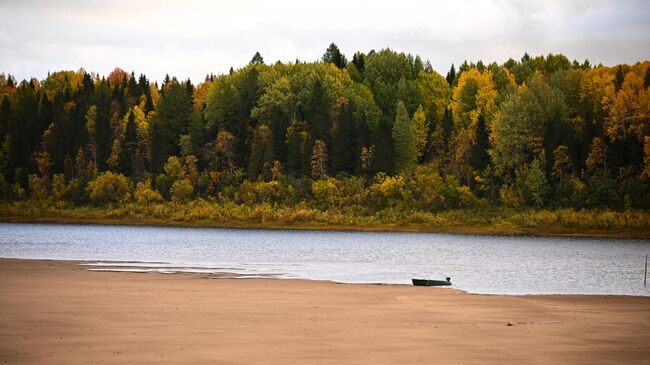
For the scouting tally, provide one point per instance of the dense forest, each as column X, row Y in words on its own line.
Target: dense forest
column 381, row 131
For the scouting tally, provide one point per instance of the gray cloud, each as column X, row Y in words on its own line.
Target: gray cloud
column 193, row 38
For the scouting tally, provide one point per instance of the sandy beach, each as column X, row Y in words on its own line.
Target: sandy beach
column 57, row 312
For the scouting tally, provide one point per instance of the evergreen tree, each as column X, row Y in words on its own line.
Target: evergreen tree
column 318, row 114
column 5, row 117
column 451, row 75
column 174, row 110
column 334, row 55
column 261, row 152
column 382, row 157
column 619, row 78
column 24, row 137
column 404, row 139
column 129, row 146
column 345, row 150
column 298, row 149
column 480, row 156
column 257, row 59
column 359, row 61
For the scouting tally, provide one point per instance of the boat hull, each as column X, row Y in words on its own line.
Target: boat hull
column 425, row 282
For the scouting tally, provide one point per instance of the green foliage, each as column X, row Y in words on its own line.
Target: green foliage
column 531, row 183
column 524, row 117
column 538, row 132
column 334, row 55
column 173, row 113
column 405, row 139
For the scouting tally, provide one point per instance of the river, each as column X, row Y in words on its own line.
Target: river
column 477, row 264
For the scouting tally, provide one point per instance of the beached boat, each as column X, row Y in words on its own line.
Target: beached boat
column 426, row 282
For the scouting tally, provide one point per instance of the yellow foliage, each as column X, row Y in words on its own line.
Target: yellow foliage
column 629, row 113
column 474, row 95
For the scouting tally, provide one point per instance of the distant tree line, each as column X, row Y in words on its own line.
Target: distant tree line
column 382, row 129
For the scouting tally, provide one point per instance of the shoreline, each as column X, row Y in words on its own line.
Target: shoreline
column 57, row 312
column 411, row 228
column 225, row 275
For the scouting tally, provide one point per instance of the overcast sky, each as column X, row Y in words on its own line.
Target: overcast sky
column 193, row 38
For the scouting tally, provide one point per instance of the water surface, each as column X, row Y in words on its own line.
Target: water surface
column 478, row 264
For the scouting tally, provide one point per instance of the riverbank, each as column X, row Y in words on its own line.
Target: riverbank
column 493, row 221
column 56, row 312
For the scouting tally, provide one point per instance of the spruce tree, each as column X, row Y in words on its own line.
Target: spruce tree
column 334, row 55
column 257, row 59
column 451, row 75
column 404, row 139
column 345, row 150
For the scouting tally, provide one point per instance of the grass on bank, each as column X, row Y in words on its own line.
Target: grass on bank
column 201, row 213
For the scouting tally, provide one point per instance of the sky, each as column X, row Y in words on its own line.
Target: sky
column 193, row 38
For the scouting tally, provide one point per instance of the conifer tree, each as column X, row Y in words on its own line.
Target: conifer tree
column 404, row 139
column 334, row 55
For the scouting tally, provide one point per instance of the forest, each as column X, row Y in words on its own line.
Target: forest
column 381, row 135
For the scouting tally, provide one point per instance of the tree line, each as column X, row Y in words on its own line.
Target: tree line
column 382, row 129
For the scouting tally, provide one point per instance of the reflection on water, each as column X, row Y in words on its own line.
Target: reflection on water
column 479, row 264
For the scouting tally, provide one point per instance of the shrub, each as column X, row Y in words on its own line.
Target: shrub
column 59, row 190
column 509, row 197
column 109, row 188
column 144, row 195
column 37, row 187
column 388, row 191
column 182, row 190
column 467, row 199
column 325, row 192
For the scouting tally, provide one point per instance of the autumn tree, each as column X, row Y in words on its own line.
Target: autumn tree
column 319, row 161
column 597, row 160
column 421, row 131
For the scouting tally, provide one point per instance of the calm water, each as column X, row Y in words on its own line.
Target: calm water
column 478, row 264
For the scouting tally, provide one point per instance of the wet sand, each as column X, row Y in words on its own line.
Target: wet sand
column 56, row 312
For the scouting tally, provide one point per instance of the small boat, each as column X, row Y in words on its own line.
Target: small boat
column 425, row 282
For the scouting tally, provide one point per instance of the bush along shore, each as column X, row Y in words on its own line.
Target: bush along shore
column 202, row 213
